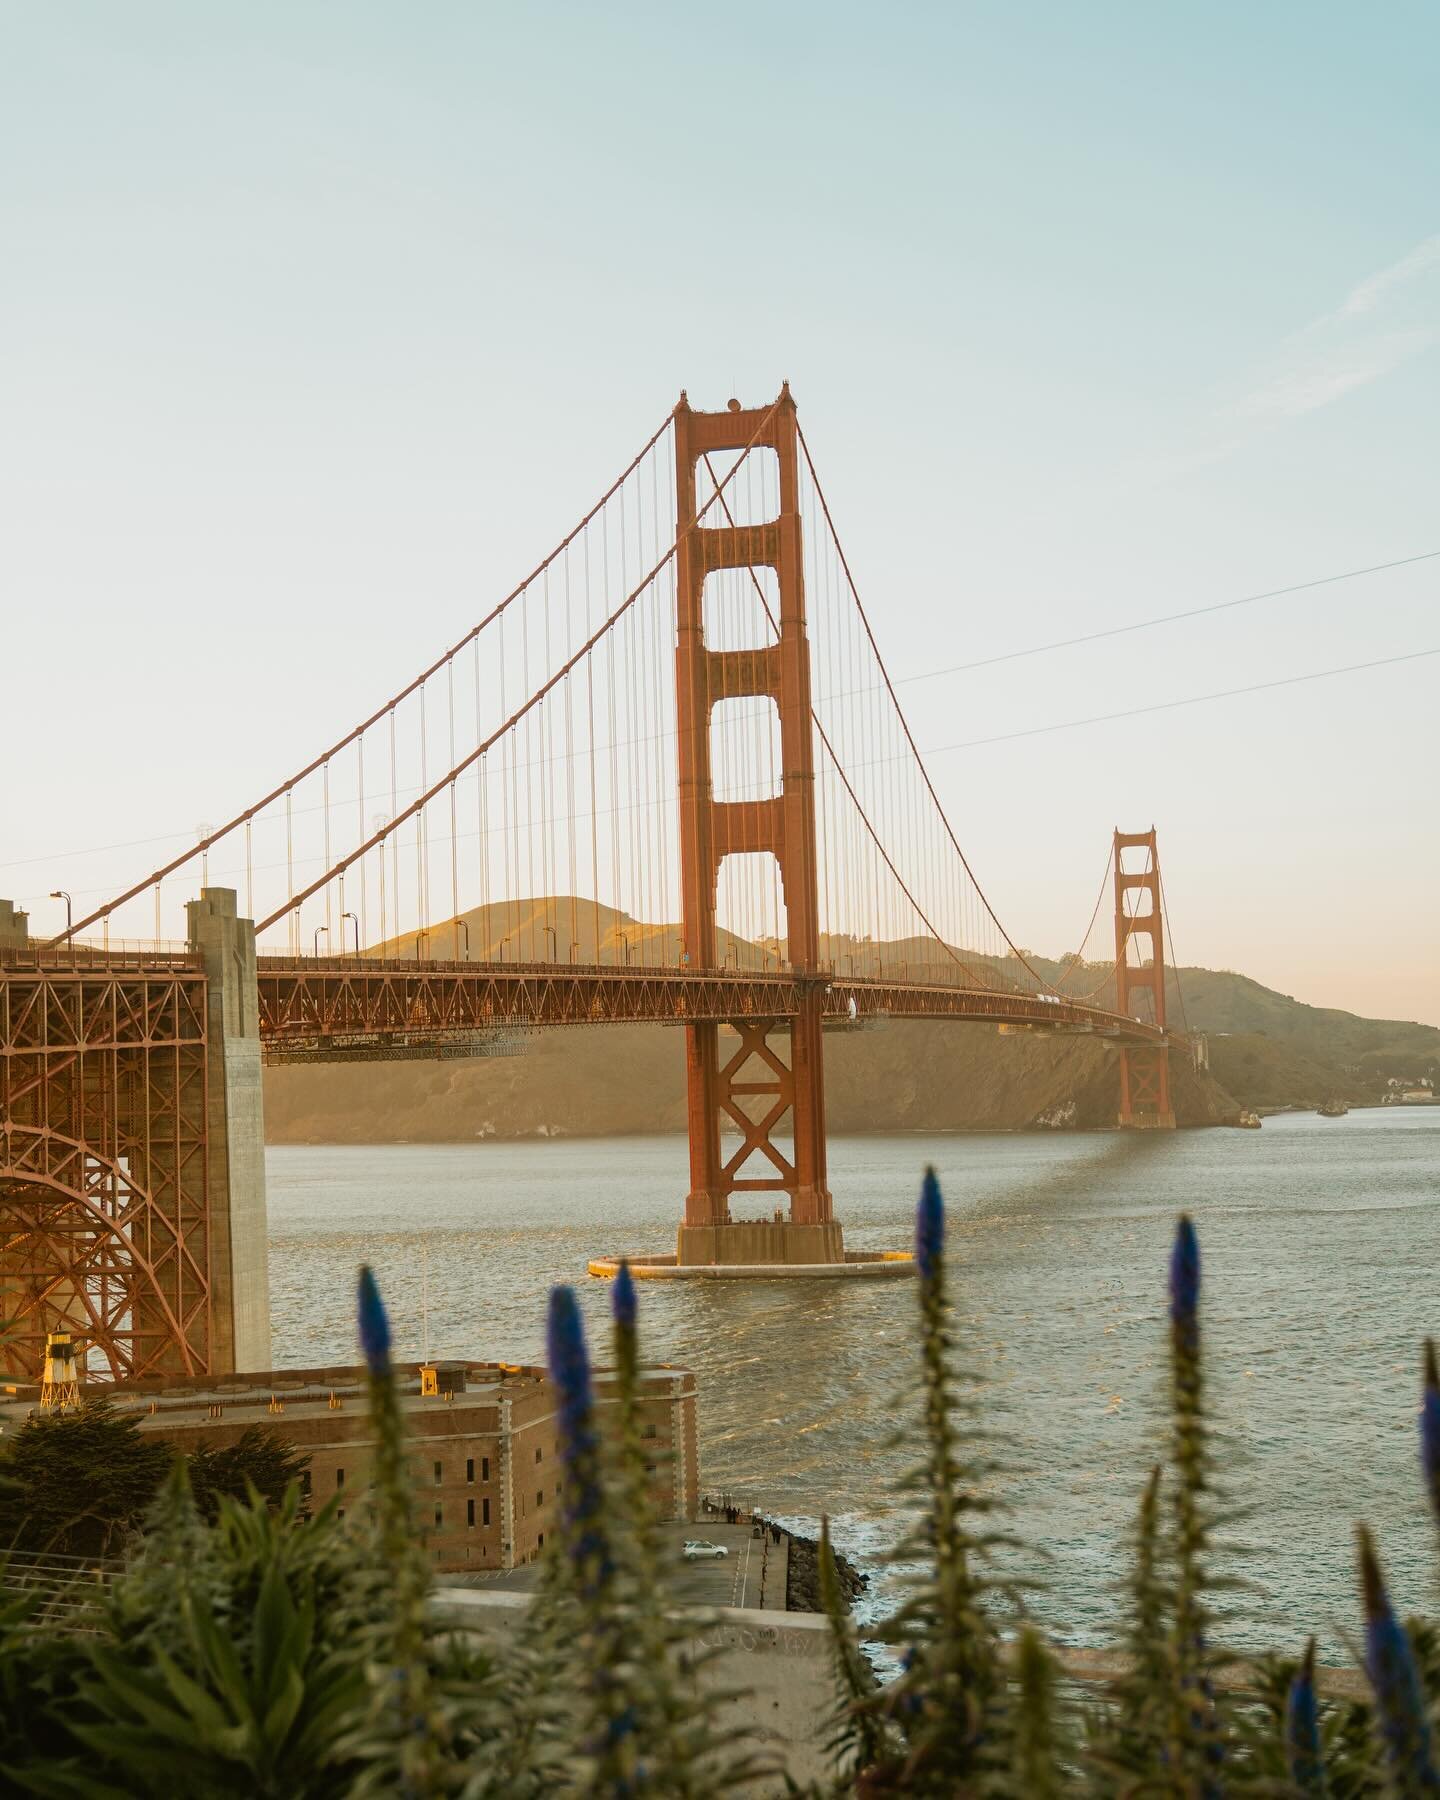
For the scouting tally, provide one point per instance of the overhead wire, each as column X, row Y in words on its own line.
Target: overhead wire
column 1194, row 612
column 1135, row 712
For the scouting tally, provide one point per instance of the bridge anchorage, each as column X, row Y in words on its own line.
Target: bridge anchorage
column 666, row 780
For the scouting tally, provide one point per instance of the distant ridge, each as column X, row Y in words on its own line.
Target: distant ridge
column 1266, row 1050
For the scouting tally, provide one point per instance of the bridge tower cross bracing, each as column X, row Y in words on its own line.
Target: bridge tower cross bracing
column 752, row 1087
column 1144, row 1068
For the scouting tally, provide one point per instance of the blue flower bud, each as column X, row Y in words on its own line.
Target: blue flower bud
column 1304, row 1758
column 929, row 1227
column 622, row 1297
column 569, row 1360
column 579, row 1447
column 373, row 1325
column 1390, row 1666
column 1430, row 1426
column 1185, row 1276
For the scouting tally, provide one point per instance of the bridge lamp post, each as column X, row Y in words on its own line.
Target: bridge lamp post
column 464, row 925
column 419, row 935
column 554, row 950
column 60, row 894
column 356, row 923
column 315, row 941
column 501, row 952
column 626, row 943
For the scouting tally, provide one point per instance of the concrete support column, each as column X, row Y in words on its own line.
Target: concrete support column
column 239, row 1257
column 14, row 927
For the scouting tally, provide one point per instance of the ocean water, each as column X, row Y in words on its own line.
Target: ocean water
column 1321, row 1248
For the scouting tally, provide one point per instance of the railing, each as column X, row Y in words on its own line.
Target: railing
column 88, row 953
column 60, row 1588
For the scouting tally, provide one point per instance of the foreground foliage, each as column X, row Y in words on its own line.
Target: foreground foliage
column 248, row 1650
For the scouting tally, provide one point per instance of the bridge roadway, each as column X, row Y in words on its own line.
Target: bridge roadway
column 346, row 1008
column 349, row 1008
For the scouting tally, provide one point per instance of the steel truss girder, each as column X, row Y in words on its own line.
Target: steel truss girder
column 307, row 1003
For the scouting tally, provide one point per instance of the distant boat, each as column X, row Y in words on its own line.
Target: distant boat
column 1248, row 1121
column 1333, row 1109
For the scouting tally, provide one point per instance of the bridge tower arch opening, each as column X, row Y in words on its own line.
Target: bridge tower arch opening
column 751, row 1082
column 1140, row 981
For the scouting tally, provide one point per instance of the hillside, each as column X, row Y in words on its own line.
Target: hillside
column 1266, row 1050
column 911, row 1075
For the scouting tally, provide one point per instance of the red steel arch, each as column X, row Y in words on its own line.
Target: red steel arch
column 79, row 1245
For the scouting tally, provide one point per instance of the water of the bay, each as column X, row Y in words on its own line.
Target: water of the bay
column 1321, row 1243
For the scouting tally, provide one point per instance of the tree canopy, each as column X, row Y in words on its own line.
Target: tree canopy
column 77, row 1483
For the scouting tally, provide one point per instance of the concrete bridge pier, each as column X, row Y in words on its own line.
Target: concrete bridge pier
column 235, row 1171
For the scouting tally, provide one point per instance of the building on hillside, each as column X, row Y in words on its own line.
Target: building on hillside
column 483, row 1452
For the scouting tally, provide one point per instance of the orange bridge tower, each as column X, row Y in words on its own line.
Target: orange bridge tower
column 1140, row 984
column 749, row 1083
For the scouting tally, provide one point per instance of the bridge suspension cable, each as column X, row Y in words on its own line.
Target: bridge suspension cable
column 918, row 811
column 540, row 771
column 417, row 685
column 517, row 800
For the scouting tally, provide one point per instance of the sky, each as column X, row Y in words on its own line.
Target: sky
column 322, row 322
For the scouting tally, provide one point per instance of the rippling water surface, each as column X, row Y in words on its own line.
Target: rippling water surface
column 1321, row 1241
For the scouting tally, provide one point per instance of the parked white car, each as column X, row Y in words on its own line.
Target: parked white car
column 698, row 1549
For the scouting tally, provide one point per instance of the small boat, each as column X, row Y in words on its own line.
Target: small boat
column 1248, row 1121
column 1333, row 1109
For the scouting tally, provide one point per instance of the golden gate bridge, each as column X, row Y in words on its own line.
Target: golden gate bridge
column 666, row 779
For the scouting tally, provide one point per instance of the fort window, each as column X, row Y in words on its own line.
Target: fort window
column 469, row 1468
column 485, row 1512
column 470, row 1512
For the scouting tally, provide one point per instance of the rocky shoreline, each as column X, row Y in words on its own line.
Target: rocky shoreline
column 802, row 1581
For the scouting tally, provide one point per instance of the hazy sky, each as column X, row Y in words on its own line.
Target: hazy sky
column 322, row 322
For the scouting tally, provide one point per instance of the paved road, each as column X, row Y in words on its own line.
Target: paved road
column 729, row 1580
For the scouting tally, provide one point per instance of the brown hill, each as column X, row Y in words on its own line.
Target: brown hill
column 912, row 1075
column 907, row 1075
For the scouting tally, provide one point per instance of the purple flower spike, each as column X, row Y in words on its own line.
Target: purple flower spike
column 569, row 1364
column 1390, row 1666
column 929, row 1227
column 1430, row 1426
column 622, row 1298
column 579, row 1446
column 373, row 1325
column 1185, row 1277
column 1304, row 1758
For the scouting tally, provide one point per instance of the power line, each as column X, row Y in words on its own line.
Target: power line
column 1134, row 712
column 1195, row 612
column 960, row 668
